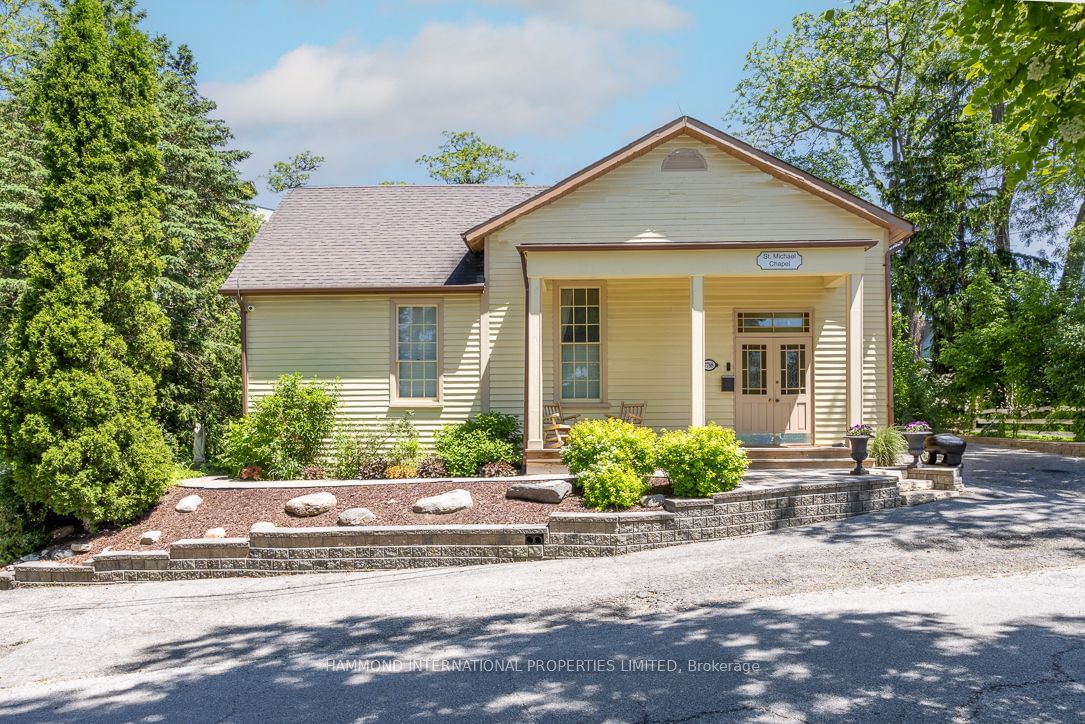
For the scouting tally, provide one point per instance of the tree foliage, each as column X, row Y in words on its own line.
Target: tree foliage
column 89, row 343
column 465, row 158
column 207, row 218
column 294, row 172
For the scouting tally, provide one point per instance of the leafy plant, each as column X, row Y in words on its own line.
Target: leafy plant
column 465, row 451
column 405, row 448
column 860, row 430
column 285, row 430
column 313, row 472
column 499, row 426
column 432, row 467
column 888, row 444
column 595, row 442
column 372, row 469
column 398, row 472
column 611, row 485
column 701, row 461
column 498, row 469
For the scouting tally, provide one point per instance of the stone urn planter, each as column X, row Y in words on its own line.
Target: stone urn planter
column 858, row 437
column 915, row 445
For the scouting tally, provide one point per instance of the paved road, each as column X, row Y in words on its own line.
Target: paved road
column 971, row 609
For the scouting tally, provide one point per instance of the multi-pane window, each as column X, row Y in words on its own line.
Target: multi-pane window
column 797, row 322
column 416, row 351
column 755, row 377
column 581, row 333
column 793, row 369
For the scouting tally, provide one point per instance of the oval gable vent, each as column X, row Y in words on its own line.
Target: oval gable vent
column 684, row 159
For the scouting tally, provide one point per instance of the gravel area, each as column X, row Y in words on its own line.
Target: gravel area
column 237, row 510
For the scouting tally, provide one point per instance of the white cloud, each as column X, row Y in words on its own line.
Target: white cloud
column 364, row 107
column 622, row 14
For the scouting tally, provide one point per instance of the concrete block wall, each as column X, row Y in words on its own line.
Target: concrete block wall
column 567, row 535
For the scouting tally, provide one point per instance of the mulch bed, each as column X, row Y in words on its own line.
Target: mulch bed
column 237, row 510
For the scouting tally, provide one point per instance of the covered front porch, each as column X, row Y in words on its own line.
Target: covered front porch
column 703, row 333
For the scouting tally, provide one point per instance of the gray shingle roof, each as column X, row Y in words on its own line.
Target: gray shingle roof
column 371, row 236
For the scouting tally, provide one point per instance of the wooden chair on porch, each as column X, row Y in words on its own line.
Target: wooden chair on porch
column 555, row 425
column 632, row 412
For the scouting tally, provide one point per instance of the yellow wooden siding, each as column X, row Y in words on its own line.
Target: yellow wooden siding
column 349, row 337
column 647, row 349
column 731, row 201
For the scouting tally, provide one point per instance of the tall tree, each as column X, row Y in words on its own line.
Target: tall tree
column 78, row 387
column 1029, row 59
column 208, row 219
column 465, row 158
column 294, row 172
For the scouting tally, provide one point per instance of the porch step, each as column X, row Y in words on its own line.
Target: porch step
column 542, row 462
column 804, row 452
column 908, row 485
column 804, row 463
column 919, row 497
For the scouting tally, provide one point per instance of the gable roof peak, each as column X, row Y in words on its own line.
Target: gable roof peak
column 900, row 229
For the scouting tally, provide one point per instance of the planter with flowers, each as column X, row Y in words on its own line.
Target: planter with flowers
column 858, row 436
column 916, row 433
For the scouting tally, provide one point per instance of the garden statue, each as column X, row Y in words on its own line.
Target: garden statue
column 949, row 447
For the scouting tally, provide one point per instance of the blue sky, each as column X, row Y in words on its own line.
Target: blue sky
column 370, row 84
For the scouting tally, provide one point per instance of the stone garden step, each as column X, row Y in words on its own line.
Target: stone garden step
column 909, row 485
column 919, row 497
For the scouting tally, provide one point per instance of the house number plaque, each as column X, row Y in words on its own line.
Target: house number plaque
column 710, row 364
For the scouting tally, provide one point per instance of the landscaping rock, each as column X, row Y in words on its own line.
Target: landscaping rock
column 261, row 526
column 188, row 504
column 79, row 547
column 215, row 533
column 57, row 553
column 64, row 531
column 150, row 537
column 29, row 558
column 652, row 501
column 449, row 502
column 306, row 506
column 356, row 516
column 552, row 491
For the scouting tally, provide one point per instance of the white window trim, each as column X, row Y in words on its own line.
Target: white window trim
column 393, row 374
column 580, row 402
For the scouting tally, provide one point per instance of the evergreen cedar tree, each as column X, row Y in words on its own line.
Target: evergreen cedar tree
column 89, row 343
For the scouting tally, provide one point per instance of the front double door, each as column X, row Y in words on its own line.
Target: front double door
column 772, row 393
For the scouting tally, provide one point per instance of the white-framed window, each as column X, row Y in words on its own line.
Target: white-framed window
column 417, row 356
column 580, row 343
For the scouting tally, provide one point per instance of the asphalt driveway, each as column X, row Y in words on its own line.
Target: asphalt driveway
column 969, row 609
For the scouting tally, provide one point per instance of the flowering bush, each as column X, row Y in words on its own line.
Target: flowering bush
column 611, row 485
column 860, row 431
column 702, row 460
column 597, row 442
column 918, row 426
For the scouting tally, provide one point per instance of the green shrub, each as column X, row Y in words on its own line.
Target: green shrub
column 611, row 485
column 465, row 451
column 285, row 430
column 353, row 450
column 22, row 526
column 499, row 426
column 405, row 448
column 701, row 461
column 499, row 469
column 372, row 469
column 432, row 466
column 595, row 442
column 887, row 445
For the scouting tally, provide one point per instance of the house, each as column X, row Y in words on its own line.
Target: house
column 687, row 270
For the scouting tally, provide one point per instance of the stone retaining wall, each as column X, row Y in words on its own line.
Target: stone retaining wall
column 304, row 550
column 1052, row 447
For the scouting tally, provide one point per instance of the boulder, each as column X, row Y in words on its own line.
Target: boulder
column 261, row 526
column 652, row 501
column 312, row 504
column 80, row 547
column 552, row 491
column 449, row 502
column 57, row 553
column 149, row 538
column 356, row 516
column 188, row 504
column 62, row 532
column 215, row 533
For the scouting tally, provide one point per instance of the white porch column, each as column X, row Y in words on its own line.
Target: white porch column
column 855, row 349
column 534, row 383
column 697, row 347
